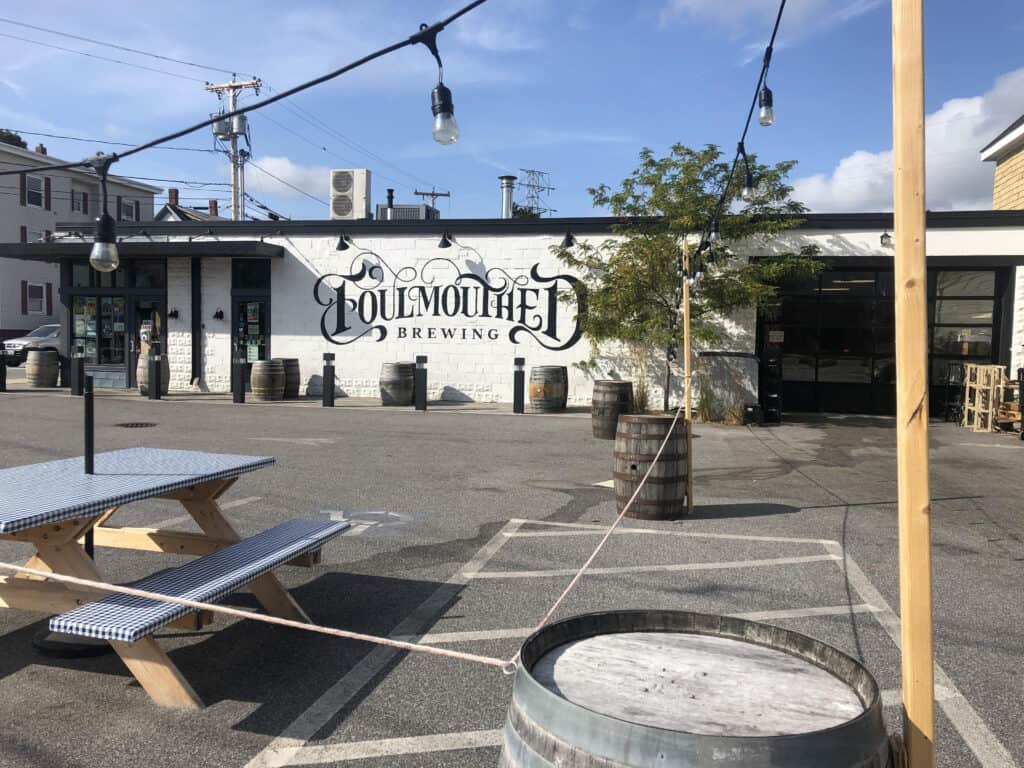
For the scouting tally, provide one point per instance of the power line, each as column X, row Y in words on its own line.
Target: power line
column 102, row 141
column 288, row 184
column 119, row 47
column 102, row 58
column 427, row 35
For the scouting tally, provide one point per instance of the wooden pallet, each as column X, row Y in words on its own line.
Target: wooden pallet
column 987, row 397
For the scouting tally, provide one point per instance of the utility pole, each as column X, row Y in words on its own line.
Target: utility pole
column 911, row 278
column 231, row 129
column 432, row 195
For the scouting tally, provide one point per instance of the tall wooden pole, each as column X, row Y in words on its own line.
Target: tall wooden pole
column 687, row 377
column 912, row 382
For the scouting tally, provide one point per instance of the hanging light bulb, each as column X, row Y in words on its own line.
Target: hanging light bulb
column 713, row 232
column 748, row 188
column 766, row 116
column 103, row 256
column 446, row 130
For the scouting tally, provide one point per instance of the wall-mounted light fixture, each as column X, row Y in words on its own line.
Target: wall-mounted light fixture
column 219, row 314
column 446, row 241
column 173, row 313
column 569, row 240
column 885, row 240
column 343, row 242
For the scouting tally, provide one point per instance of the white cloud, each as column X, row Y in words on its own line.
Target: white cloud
column 743, row 13
column 311, row 179
column 956, row 177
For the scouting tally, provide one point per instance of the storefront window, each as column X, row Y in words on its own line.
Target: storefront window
column 965, row 283
column 84, row 276
column 98, row 325
column 962, row 341
column 963, row 311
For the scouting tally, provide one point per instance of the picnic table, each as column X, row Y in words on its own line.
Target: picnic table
column 54, row 504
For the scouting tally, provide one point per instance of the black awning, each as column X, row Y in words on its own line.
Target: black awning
column 79, row 249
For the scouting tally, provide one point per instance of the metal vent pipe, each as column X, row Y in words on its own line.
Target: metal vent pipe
column 508, row 185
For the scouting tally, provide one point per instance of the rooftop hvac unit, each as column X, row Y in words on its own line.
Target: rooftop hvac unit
column 406, row 212
column 350, row 194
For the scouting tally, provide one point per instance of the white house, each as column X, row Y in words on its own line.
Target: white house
column 31, row 204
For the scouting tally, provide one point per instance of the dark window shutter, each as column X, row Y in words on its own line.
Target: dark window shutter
column 24, row 186
column 49, row 298
column 24, row 234
column 137, row 211
column 119, row 208
column 85, row 202
column 46, row 193
column 24, row 297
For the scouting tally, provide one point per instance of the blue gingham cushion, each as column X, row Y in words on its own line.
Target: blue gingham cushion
column 207, row 579
column 60, row 490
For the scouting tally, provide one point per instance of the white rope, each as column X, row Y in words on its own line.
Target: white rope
column 238, row 613
column 579, row 574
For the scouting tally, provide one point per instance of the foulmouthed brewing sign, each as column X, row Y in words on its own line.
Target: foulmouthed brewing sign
column 374, row 300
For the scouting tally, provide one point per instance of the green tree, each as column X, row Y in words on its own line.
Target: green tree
column 632, row 281
column 10, row 137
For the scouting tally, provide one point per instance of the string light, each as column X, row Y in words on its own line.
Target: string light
column 104, row 257
column 766, row 102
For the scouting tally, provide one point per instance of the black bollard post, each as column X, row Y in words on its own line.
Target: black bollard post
column 3, row 369
column 154, row 371
column 519, row 386
column 78, row 370
column 328, row 379
column 88, row 425
column 419, row 384
column 238, row 378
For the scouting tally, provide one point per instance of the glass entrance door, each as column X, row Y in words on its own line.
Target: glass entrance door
column 147, row 325
column 250, row 331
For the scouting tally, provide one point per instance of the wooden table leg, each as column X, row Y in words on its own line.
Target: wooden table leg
column 267, row 589
column 145, row 659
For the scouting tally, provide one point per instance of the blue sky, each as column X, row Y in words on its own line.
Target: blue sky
column 571, row 87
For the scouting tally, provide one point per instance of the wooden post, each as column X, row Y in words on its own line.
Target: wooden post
column 687, row 378
column 911, row 277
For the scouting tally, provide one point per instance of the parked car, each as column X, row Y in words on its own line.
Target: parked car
column 43, row 337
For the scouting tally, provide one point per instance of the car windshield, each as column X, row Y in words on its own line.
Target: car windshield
column 45, row 330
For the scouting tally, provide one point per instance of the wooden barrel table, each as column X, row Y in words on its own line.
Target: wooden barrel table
column 549, row 388
column 396, row 383
column 671, row 688
column 611, row 399
column 142, row 375
column 637, row 439
column 41, row 368
column 267, row 379
column 291, row 377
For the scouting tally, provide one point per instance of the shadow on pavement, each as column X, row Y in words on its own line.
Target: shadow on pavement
column 725, row 511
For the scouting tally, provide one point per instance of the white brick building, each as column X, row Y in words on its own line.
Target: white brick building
column 284, row 289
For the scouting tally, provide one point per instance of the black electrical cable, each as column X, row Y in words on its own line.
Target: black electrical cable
column 102, row 58
column 121, row 47
column 287, row 184
column 102, row 141
column 427, row 35
column 740, row 147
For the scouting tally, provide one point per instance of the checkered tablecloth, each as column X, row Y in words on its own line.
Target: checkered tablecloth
column 60, row 490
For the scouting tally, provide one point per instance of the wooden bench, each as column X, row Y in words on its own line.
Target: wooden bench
column 207, row 579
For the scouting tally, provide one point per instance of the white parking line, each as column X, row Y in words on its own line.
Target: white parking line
column 283, row 749
column 583, row 529
column 893, row 697
column 414, row 745
column 470, row 636
column 968, row 723
column 716, row 566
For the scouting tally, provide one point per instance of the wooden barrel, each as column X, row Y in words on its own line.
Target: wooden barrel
column 396, row 383
column 291, row 377
column 671, row 688
column 267, row 379
column 611, row 399
column 41, row 368
column 142, row 375
column 637, row 440
column 549, row 388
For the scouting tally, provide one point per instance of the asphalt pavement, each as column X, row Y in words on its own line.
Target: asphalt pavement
column 466, row 526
